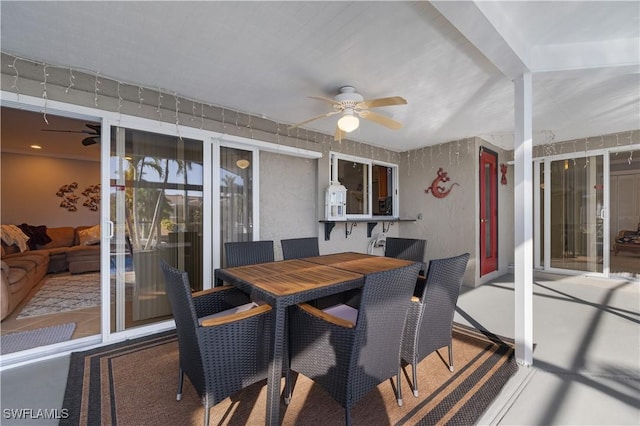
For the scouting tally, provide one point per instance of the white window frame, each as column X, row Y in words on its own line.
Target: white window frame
column 335, row 156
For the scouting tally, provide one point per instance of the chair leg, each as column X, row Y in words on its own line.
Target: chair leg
column 180, row 381
column 347, row 416
column 206, row 415
column 450, row 357
column 399, row 385
column 287, row 387
column 414, row 371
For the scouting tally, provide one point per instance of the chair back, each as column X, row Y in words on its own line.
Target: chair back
column 439, row 298
column 405, row 248
column 381, row 318
column 184, row 313
column 241, row 253
column 296, row 248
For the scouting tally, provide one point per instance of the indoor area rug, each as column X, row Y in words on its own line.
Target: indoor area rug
column 64, row 293
column 134, row 382
column 24, row 340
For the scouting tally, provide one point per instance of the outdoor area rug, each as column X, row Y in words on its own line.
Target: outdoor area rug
column 135, row 382
column 24, row 340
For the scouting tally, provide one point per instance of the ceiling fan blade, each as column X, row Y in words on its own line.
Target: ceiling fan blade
column 380, row 119
column 90, row 141
column 331, row 101
column 95, row 127
column 69, row 131
column 380, row 102
column 339, row 134
column 328, row 114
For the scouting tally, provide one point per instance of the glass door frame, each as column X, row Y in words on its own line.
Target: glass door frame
column 147, row 125
column 545, row 218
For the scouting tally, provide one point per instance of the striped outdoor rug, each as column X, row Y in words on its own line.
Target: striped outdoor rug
column 134, row 383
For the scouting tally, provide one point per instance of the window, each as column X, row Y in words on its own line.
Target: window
column 371, row 185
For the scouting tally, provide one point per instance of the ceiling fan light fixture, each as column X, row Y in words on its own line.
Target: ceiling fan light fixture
column 348, row 122
column 242, row 163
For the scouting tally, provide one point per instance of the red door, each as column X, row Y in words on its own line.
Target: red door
column 488, row 212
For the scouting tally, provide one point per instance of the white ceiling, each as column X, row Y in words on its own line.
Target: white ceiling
column 453, row 62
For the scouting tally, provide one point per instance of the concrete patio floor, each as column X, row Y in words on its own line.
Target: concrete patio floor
column 586, row 360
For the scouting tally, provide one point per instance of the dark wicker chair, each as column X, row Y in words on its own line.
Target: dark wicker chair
column 241, row 253
column 430, row 317
column 407, row 249
column 348, row 360
column 223, row 354
column 296, row 248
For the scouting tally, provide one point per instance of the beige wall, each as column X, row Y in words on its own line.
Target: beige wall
column 450, row 224
column 34, row 181
column 287, row 198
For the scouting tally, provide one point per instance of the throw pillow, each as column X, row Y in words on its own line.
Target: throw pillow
column 90, row 236
column 37, row 235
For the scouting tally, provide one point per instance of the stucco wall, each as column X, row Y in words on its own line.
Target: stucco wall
column 450, row 224
column 287, row 198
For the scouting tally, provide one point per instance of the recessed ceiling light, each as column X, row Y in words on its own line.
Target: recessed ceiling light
column 36, row 147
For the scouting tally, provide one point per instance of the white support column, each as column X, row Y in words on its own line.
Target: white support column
column 523, row 221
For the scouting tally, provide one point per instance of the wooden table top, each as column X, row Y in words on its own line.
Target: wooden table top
column 330, row 259
column 291, row 276
column 359, row 262
column 288, row 277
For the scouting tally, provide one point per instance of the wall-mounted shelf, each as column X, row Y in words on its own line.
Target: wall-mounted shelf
column 350, row 223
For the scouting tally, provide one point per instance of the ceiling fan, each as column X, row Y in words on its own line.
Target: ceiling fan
column 352, row 105
column 94, row 132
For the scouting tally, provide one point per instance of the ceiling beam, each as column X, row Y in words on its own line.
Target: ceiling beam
column 470, row 20
column 610, row 56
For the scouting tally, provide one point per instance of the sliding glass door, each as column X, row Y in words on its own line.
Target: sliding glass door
column 236, row 196
column 157, row 214
column 576, row 217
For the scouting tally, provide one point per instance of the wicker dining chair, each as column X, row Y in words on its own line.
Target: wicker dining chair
column 241, row 253
column 296, row 248
column 430, row 317
column 350, row 358
column 407, row 249
column 223, row 338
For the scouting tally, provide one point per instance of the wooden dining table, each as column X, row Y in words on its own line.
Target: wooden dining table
column 288, row 282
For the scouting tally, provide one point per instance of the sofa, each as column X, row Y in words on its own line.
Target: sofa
column 45, row 250
column 627, row 241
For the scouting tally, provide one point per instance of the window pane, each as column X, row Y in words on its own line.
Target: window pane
column 236, row 196
column 354, row 177
column 382, row 190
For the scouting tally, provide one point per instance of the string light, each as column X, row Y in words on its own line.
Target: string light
column 96, row 89
column 44, row 91
column 15, row 77
column 71, row 78
column 431, row 156
column 119, row 100
column 177, row 115
column 550, row 147
column 159, row 109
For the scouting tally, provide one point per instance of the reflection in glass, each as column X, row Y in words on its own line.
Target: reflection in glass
column 236, row 196
column 156, row 191
column 576, row 206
